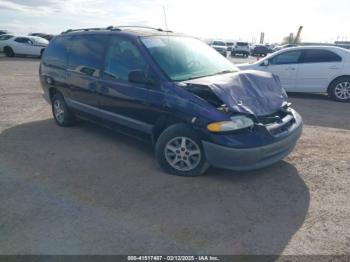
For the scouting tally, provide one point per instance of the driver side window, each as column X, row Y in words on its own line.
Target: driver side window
column 290, row 57
column 121, row 58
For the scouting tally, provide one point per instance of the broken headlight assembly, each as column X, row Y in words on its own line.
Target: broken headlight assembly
column 236, row 123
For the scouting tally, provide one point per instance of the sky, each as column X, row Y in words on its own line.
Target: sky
column 323, row 20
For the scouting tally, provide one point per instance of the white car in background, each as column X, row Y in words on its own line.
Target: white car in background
column 3, row 40
column 23, row 45
column 311, row 69
column 220, row 46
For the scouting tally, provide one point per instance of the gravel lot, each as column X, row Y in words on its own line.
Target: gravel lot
column 87, row 190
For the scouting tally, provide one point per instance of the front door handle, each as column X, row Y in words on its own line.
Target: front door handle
column 291, row 68
column 333, row 67
column 104, row 89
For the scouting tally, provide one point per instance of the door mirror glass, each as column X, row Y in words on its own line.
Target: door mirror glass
column 265, row 62
column 139, row 76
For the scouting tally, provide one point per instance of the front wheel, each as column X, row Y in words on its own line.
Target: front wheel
column 339, row 89
column 180, row 152
column 9, row 51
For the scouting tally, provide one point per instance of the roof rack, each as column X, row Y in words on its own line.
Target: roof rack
column 142, row 27
column 115, row 28
column 90, row 29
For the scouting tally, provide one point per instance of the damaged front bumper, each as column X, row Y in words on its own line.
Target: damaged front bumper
column 244, row 159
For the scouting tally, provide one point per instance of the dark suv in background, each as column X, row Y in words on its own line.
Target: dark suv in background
column 195, row 107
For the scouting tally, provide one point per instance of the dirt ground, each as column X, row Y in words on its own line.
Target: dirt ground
column 87, row 190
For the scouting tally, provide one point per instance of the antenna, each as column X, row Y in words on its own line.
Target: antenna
column 165, row 20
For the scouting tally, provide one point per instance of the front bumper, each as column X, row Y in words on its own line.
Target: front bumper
column 244, row 159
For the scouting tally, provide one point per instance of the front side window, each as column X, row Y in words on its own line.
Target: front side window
column 290, row 57
column 121, row 58
column 86, row 54
column 320, row 56
column 184, row 58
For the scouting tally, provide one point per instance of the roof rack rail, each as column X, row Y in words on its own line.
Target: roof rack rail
column 141, row 27
column 115, row 28
column 90, row 29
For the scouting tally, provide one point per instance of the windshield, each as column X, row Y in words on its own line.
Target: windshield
column 5, row 37
column 39, row 40
column 184, row 58
column 220, row 43
column 242, row 44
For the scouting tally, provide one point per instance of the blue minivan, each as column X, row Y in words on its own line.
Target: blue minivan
column 195, row 107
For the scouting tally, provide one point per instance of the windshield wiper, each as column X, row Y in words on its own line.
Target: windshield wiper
column 225, row 72
column 219, row 73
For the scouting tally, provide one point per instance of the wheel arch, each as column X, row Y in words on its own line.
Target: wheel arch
column 52, row 91
column 7, row 46
column 335, row 79
column 162, row 123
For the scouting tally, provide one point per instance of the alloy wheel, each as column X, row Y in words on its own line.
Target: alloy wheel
column 182, row 153
column 58, row 111
column 342, row 91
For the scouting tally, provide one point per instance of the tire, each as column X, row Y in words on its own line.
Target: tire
column 9, row 51
column 175, row 144
column 339, row 89
column 60, row 111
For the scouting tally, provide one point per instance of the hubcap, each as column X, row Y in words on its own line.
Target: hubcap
column 342, row 90
column 182, row 153
column 58, row 111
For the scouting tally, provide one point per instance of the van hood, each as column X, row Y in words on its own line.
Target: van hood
column 249, row 92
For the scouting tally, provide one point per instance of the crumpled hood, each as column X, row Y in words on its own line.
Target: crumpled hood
column 249, row 92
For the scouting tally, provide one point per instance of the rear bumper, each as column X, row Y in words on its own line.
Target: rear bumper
column 242, row 159
column 222, row 51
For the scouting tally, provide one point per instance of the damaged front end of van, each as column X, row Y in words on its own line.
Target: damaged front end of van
column 258, row 126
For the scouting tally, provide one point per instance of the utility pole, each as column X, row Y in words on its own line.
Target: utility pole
column 297, row 38
column 262, row 36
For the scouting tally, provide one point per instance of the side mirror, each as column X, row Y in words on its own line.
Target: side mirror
column 139, row 76
column 265, row 62
column 30, row 42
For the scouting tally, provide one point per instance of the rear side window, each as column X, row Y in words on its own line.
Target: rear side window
column 24, row 40
column 56, row 53
column 121, row 58
column 86, row 54
column 320, row 56
column 291, row 57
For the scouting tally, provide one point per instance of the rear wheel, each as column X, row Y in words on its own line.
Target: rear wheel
column 339, row 89
column 60, row 111
column 180, row 152
column 9, row 51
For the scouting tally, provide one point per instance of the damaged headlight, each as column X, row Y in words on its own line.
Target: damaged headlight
column 236, row 123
